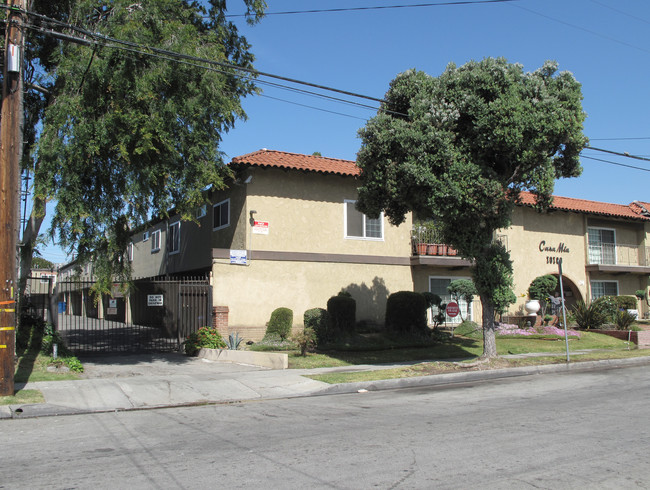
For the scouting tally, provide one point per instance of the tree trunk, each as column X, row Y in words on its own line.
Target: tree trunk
column 29, row 243
column 489, row 338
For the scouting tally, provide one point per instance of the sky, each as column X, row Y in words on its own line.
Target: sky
column 604, row 43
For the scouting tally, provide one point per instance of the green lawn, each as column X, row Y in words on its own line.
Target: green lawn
column 456, row 348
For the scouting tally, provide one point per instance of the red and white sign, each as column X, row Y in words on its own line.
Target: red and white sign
column 261, row 227
column 452, row 309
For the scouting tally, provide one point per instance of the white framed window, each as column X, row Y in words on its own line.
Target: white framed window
column 602, row 245
column 357, row 225
column 145, row 236
column 174, row 238
column 46, row 278
column 438, row 285
column 155, row 241
column 603, row 288
column 221, row 215
column 201, row 211
column 129, row 252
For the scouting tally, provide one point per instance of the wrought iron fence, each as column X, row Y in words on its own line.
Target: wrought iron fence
column 152, row 315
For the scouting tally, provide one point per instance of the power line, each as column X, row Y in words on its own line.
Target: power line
column 616, row 163
column 624, row 154
column 378, row 7
column 595, row 33
column 136, row 47
column 621, row 12
column 620, row 139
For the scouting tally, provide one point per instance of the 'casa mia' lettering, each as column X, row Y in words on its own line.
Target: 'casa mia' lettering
column 561, row 248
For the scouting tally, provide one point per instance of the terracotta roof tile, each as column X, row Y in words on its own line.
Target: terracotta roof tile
column 311, row 163
column 590, row 207
column 297, row 161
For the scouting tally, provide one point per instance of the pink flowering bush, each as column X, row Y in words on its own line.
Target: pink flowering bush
column 513, row 330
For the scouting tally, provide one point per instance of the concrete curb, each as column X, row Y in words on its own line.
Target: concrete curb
column 48, row 409
column 477, row 376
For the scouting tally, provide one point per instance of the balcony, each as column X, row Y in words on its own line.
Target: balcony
column 428, row 249
column 618, row 258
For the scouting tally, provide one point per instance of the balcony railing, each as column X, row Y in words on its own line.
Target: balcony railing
column 618, row 254
column 428, row 242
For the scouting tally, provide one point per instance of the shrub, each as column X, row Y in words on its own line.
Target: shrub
column 342, row 315
column 406, row 312
column 609, row 306
column 280, row 323
column 305, row 339
column 624, row 320
column 207, row 337
column 316, row 319
column 51, row 337
column 626, row 302
column 587, row 316
column 542, row 287
column 469, row 329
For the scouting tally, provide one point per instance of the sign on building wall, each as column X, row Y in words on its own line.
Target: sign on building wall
column 238, row 257
column 261, row 227
column 553, row 252
column 154, row 299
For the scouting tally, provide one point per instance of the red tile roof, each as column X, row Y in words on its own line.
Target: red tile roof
column 297, row 161
column 311, row 163
column 589, row 207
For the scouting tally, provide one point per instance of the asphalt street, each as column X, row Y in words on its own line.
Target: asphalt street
column 578, row 430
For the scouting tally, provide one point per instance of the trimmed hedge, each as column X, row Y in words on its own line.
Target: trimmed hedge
column 280, row 323
column 406, row 312
column 316, row 319
column 342, row 315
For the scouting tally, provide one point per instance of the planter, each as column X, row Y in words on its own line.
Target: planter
column 532, row 307
column 451, row 251
column 442, row 249
column 271, row 360
column 421, row 248
column 432, row 249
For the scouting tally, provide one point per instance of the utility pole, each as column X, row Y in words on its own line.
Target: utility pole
column 11, row 145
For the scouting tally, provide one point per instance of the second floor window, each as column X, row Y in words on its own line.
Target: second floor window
column 602, row 246
column 221, row 215
column 155, row 241
column 358, row 225
column 174, row 237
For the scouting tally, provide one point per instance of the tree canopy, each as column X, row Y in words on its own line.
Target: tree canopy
column 129, row 132
column 461, row 147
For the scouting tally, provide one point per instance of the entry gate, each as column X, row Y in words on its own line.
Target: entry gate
column 153, row 316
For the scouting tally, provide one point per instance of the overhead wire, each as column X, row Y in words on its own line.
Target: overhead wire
column 378, row 7
column 251, row 74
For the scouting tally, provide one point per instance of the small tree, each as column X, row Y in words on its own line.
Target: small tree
column 462, row 289
column 460, row 148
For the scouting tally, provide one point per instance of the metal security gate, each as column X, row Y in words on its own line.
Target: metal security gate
column 153, row 316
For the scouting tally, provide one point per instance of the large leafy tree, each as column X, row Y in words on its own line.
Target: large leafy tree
column 126, row 131
column 459, row 149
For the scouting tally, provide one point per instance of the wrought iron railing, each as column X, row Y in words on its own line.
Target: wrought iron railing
column 618, row 254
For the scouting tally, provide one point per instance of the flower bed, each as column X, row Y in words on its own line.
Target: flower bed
column 510, row 330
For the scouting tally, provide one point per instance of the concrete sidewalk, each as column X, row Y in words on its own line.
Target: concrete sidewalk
column 172, row 380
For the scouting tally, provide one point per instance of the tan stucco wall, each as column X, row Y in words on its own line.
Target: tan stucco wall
column 252, row 292
column 305, row 212
column 537, row 240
